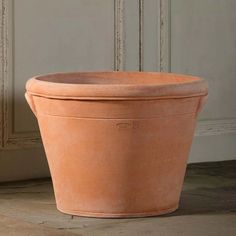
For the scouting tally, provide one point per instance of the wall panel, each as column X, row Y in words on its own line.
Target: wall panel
column 182, row 36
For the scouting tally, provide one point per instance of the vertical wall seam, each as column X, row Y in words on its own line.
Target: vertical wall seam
column 165, row 31
column 118, row 35
column 141, row 34
column 1, row 79
column 3, row 91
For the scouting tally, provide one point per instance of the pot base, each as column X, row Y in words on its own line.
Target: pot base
column 119, row 215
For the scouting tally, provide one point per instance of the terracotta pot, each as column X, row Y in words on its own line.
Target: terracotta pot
column 117, row 143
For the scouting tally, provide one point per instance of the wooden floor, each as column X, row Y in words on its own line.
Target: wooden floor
column 208, row 207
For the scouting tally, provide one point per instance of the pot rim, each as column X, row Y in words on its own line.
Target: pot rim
column 102, row 85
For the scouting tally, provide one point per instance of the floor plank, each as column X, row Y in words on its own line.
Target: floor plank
column 16, row 227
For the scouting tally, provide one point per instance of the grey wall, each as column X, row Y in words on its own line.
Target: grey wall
column 184, row 36
column 203, row 42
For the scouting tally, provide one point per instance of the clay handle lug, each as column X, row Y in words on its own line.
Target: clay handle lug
column 29, row 99
column 201, row 104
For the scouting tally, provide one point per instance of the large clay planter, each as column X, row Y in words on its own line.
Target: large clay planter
column 117, row 143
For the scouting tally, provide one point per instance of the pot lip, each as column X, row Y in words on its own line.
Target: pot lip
column 169, row 85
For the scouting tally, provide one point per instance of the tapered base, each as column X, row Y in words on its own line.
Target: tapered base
column 119, row 215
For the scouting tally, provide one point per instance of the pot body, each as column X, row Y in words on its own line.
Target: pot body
column 117, row 158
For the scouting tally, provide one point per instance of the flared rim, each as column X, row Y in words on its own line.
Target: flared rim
column 114, row 85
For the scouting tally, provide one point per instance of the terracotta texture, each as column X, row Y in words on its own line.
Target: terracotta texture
column 117, row 143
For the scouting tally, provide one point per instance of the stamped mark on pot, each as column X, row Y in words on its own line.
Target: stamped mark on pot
column 127, row 125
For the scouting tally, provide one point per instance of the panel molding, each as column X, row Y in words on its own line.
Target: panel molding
column 3, row 70
column 10, row 139
column 23, row 142
column 127, row 35
column 118, row 35
column 215, row 127
column 141, row 34
column 164, row 38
